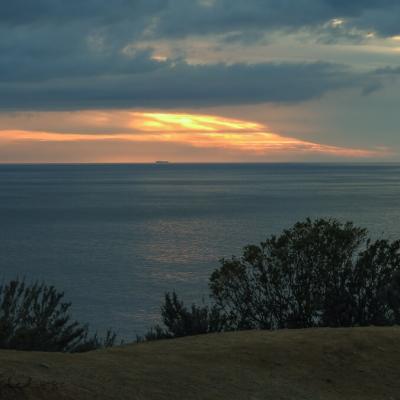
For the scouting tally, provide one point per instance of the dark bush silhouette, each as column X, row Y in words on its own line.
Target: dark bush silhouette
column 34, row 317
column 181, row 321
column 393, row 297
column 320, row 273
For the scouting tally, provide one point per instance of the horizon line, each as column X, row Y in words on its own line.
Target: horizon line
column 169, row 163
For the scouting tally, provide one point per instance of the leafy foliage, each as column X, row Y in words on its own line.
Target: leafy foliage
column 320, row 273
column 181, row 321
column 34, row 317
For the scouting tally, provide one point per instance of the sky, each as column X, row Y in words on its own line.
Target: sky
column 199, row 81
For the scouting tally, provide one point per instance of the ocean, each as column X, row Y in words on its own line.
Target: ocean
column 115, row 238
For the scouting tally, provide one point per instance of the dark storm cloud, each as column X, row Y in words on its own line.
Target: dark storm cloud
column 181, row 17
column 184, row 17
column 182, row 85
column 57, row 54
column 36, row 63
column 23, row 12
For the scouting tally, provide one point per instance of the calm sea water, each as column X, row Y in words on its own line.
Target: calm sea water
column 116, row 237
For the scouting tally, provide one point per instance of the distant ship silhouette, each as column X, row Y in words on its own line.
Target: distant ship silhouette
column 162, row 162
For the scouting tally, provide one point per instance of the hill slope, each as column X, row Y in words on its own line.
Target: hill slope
column 323, row 364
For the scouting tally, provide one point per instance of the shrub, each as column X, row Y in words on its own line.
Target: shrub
column 34, row 317
column 393, row 296
column 318, row 273
column 181, row 321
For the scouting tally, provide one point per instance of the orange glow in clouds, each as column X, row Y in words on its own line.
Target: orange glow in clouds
column 195, row 131
column 189, row 123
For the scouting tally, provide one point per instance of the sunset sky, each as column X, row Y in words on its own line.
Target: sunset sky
column 199, row 80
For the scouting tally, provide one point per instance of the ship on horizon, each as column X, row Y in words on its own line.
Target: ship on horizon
column 162, row 162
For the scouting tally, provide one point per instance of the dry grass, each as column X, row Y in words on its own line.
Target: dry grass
column 323, row 364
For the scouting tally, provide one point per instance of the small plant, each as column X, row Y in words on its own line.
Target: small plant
column 11, row 383
column 181, row 321
column 14, row 386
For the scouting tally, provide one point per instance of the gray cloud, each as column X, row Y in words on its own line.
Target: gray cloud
column 54, row 12
column 183, row 85
column 183, row 17
column 388, row 71
column 57, row 54
column 187, row 16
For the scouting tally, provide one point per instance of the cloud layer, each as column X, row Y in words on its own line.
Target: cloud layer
column 88, row 53
column 183, row 17
column 172, row 85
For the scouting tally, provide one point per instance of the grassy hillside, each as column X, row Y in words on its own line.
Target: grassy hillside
column 310, row 364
